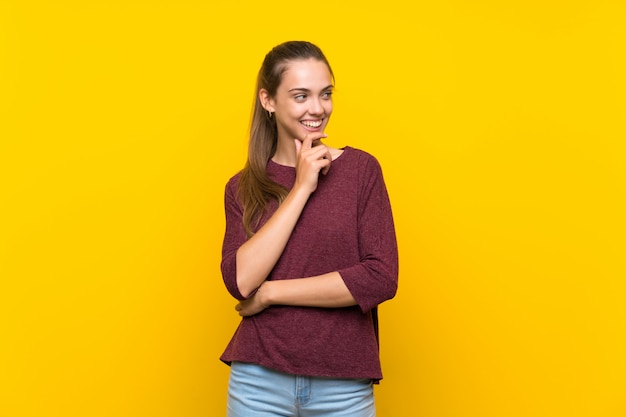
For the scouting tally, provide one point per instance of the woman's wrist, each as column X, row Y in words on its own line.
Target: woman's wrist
column 265, row 294
column 300, row 191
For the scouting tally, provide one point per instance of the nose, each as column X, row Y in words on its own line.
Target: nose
column 316, row 108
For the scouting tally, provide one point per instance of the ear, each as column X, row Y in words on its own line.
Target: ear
column 266, row 100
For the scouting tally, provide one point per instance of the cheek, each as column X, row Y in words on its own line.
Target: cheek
column 294, row 111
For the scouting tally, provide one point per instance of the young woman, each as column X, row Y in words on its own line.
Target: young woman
column 309, row 251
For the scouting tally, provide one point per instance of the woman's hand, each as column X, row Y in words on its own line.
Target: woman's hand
column 311, row 161
column 255, row 304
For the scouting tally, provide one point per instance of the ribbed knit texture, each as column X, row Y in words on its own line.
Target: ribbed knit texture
column 346, row 226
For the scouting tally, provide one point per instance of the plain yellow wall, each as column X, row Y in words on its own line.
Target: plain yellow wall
column 500, row 127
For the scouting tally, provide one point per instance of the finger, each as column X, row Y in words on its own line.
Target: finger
column 322, row 157
column 320, row 152
column 317, row 138
column 313, row 139
column 307, row 142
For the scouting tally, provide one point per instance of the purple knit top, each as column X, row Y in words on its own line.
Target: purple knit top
column 346, row 226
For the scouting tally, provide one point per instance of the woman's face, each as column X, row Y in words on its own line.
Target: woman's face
column 303, row 101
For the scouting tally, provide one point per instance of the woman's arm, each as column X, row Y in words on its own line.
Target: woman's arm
column 374, row 278
column 327, row 290
column 368, row 283
column 258, row 255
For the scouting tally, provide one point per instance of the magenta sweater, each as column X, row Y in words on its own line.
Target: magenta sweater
column 346, row 226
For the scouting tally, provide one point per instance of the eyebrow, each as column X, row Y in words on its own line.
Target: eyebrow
column 306, row 90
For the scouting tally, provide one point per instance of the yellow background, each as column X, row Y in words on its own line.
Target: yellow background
column 500, row 127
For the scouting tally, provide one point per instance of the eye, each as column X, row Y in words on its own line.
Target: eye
column 327, row 94
column 300, row 97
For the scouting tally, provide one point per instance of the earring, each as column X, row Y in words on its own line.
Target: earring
column 269, row 113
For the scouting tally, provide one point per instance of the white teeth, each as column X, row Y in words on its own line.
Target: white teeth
column 312, row 124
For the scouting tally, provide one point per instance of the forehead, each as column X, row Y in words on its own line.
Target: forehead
column 309, row 74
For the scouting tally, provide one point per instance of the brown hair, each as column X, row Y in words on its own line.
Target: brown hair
column 256, row 189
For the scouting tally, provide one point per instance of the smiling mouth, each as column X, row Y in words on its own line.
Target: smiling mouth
column 311, row 123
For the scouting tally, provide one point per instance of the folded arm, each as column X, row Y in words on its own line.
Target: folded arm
column 367, row 283
column 327, row 290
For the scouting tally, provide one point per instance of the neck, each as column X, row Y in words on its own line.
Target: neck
column 285, row 153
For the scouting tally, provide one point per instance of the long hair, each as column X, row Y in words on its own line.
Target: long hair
column 256, row 189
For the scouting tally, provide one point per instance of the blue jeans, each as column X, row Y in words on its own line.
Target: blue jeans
column 256, row 391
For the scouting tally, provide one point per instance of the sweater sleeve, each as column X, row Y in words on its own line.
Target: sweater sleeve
column 234, row 237
column 375, row 278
